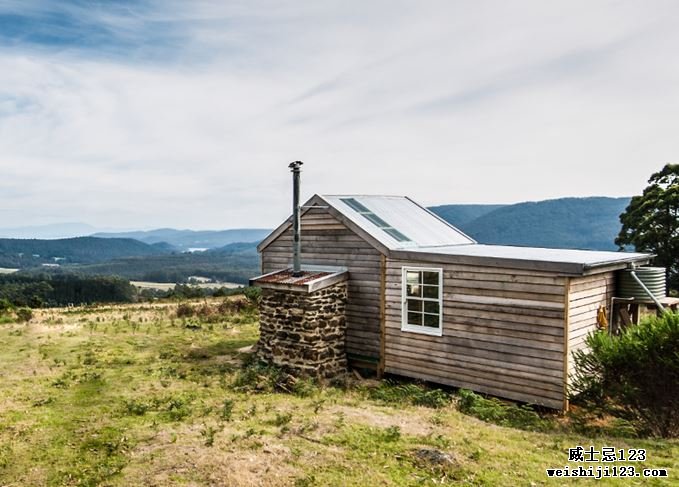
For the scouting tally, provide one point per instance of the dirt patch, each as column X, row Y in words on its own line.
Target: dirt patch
column 181, row 457
column 415, row 424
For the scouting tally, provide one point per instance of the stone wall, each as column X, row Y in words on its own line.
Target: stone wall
column 304, row 333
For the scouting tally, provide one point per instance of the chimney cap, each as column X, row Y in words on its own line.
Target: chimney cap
column 295, row 165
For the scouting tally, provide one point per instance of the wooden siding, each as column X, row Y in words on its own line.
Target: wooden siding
column 503, row 333
column 586, row 295
column 326, row 241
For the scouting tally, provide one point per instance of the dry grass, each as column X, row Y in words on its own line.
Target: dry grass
column 133, row 395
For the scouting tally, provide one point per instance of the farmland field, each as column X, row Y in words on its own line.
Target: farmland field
column 166, row 286
column 157, row 395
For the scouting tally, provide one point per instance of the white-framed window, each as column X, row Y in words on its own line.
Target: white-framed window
column 422, row 289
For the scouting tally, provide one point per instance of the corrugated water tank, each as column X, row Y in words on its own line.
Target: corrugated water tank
column 652, row 277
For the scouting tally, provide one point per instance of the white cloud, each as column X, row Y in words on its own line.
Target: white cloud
column 444, row 101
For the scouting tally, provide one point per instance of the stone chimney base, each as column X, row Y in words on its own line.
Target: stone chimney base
column 303, row 331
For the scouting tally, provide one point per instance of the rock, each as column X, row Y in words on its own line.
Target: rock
column 434, row 457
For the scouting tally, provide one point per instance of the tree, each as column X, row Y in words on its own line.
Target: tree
column 651, row 221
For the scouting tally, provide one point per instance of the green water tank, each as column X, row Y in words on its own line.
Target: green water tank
column 652, row 277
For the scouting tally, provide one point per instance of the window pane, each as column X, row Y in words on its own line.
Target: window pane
column 431, row 292
column 431, row 307
column 414, row 305
column 414, row 288
column 430, row 278
column 355, row 205
column 431, row 321
column 396, row 234
column 376, row 220
column 415, row 319
column 413, row 277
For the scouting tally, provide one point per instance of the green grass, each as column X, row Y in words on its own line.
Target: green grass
column 130, row 395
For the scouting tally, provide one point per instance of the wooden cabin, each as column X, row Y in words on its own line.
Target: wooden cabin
column 428, row 302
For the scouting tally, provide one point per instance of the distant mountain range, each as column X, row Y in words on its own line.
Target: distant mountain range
column 192, row 239
column 577, row 223
column 24, row 253
column 581, row 223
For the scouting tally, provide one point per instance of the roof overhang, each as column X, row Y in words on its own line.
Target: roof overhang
column 561, row 268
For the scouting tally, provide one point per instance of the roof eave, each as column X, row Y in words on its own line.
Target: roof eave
column 562, row 268
column 644, row 258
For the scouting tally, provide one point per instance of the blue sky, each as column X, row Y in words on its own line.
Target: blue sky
column 185, row 114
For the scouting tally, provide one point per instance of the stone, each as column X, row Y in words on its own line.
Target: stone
column 304, row 333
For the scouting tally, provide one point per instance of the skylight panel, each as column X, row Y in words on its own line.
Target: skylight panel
column 355, row 205
column 374, row 219
column 396, row 234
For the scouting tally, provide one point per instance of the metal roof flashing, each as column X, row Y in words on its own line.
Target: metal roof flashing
column 310, row 281
column 565, row 261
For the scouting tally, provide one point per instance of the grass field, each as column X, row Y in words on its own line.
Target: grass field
column 134, row 395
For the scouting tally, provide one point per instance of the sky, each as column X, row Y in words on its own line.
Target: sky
column 168, row 113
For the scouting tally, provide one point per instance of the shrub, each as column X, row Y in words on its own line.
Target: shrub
column 24, row 314
column 5, row 305
column 185, row 310
column 495, row 411
column 253, row 294
column 416, row 394
column 635, row 375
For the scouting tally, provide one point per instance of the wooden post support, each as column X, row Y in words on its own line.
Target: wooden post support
column 383, row 315
column 566, row 348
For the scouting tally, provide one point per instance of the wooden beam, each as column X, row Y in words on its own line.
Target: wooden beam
column 566, row 350
column 383, row 316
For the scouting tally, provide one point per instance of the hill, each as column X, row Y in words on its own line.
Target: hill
column 579, row 223
column 235, row 262
column 192, row 239
column 461, row 215
column 23, row 253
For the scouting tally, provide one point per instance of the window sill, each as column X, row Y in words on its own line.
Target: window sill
column 423, row 330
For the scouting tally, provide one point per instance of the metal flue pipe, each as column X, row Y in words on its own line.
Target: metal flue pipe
column 296, row 230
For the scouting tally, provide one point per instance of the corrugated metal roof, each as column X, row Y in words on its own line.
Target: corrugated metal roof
column 409, row 231
column 420, row 226
column 585, row 258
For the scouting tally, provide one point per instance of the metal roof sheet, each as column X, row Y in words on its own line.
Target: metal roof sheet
column 586, row 258
column 421, row 227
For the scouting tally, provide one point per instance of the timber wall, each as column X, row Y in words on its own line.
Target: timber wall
column 326, row 241
column 503, row 333
column 586, row 295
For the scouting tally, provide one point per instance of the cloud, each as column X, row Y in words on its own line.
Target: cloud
column 150, row 113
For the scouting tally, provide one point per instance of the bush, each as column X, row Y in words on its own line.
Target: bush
column 185, row 310
column 24, row 314
column 407, row 393
column 5, row 305
column 495, row 411
column 634, row 376
column 253, row 294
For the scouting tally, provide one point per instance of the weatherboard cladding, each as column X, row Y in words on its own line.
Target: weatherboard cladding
column 328, row 242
